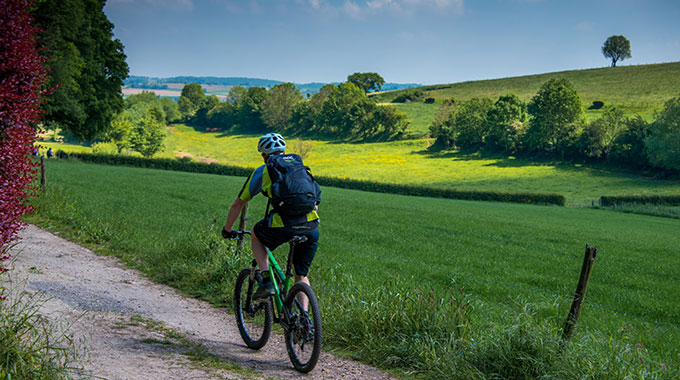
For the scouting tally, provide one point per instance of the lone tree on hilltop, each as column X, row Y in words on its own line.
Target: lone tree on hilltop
column 617, row 48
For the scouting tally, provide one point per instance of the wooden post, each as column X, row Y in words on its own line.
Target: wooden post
column 575, row 311
column 42, row 173
column 242, row 225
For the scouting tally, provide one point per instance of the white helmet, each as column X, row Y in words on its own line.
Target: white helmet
column 271, row 143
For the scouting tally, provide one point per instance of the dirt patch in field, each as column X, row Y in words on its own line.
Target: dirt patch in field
column 183, row 154
column 208, row 160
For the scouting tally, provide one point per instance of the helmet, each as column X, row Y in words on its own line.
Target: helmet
column 271, row 143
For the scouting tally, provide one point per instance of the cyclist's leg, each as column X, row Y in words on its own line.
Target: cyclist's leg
column 260, row 253
column 302, row 260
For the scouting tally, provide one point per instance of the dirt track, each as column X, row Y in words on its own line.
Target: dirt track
column 103, row 300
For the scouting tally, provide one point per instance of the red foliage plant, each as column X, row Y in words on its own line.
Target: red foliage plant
column 22, row 78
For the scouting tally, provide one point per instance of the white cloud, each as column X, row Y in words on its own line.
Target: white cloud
column 352, row 9
column 171, row 4
column 360, row 8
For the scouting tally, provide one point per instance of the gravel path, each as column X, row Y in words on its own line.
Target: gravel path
column 109, row 305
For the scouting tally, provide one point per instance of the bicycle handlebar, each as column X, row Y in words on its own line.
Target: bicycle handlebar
column 240, row 234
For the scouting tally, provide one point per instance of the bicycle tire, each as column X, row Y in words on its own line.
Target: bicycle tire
column 304, row 329
column 254, row 319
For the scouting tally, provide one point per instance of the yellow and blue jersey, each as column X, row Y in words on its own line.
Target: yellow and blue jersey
column 260, row 182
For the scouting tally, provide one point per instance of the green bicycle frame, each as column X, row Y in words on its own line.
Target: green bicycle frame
column 285, row 280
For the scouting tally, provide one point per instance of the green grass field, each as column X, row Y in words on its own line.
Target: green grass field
column 638, row 90
column 408, row 162
column 421, row 286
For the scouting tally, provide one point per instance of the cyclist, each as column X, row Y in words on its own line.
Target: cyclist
column 274, row 229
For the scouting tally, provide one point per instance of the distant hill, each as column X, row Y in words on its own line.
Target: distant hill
column 639, row 89
column 153, row 83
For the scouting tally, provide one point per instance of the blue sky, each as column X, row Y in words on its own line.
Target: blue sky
column 405, row 41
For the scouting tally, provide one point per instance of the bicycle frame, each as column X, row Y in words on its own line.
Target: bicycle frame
column 284, row 279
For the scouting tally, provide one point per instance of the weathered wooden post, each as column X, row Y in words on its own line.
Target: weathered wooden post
column 242, row 226
column 42, row 173
column 575, row 311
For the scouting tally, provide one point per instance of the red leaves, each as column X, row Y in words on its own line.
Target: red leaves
column 22, row 76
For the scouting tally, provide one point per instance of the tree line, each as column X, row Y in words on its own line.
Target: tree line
column 552, row 124
column 342, row 110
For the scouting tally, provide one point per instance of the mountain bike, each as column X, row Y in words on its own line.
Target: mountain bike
column 301, row 327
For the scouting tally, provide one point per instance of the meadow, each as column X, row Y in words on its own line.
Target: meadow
column 637, row 90
column 408, row 162
column 421, row 286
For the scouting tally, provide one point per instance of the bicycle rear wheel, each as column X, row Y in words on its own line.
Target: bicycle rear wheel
column 303, row 336
column 253, row 318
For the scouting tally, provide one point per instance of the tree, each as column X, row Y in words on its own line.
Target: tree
column 201, row 116
column 470, row 122
column 190, row 100
column 617, row 48
column 367, row 82
column 598, row 137
column 629, row 147
column 663, row 141
column 119, row 133
column 278, row 106
column 21, row 91
column 86, row 65
column 147, row 135
column 171, row 109
column 505, row 123
column 222, row 115
column 442, row 128
column 250, row 111
column 554, row 111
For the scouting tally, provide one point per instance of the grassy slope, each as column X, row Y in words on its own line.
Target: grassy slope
column 499, row 254
column 636, row 89
column 407, row 162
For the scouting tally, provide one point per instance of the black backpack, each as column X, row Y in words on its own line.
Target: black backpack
column 294, row 191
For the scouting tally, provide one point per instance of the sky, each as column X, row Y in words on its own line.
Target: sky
column 405, row 41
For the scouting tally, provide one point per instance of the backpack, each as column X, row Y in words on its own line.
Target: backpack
column 294, row 192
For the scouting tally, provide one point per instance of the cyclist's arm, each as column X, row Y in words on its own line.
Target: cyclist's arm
column 234, row 213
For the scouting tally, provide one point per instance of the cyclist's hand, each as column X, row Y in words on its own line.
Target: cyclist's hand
column 229, row 234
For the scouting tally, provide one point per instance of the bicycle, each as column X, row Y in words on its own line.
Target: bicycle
column 302, row 328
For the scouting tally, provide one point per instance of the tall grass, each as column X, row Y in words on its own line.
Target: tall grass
column 32, row 347
column 424, row 287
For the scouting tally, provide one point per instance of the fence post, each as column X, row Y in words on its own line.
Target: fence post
column 242, row 226
column 575, row 311
column 42, row 173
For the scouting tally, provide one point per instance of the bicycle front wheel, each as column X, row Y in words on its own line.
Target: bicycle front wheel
column 253, row 318
column 303, row 335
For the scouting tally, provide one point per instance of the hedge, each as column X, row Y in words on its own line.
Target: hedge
column 668, row 200
column 186, row 165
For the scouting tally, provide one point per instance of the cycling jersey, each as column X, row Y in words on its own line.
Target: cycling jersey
column 260, row 182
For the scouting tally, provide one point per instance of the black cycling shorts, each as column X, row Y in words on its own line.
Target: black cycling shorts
column 304, row 252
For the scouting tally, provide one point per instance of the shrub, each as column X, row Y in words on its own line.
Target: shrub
column 429, row 100
column 596, row 105
column 21, row 93
column 505, row 123
column 663, row 140
column 668, row 200
column 554, row 109
column 629, row 147
column 409, row 96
